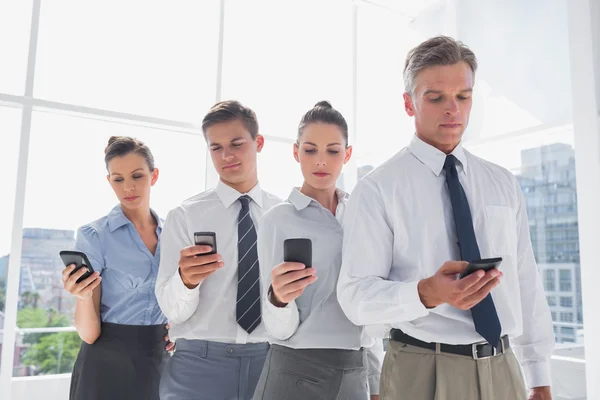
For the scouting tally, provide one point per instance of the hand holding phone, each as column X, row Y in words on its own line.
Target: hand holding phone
column 199, row 261
column 484, row 264
column 80, row 260
column 444, row 288
column 290, row 278
column 79, row 278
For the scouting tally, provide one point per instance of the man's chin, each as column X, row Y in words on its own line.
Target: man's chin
column 233, row 178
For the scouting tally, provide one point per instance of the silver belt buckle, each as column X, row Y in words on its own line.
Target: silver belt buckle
column 476, row 356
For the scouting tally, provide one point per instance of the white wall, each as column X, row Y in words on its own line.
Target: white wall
column 584, row 38
column 52, row 387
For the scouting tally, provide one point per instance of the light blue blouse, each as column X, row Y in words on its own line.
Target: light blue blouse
column 128, row 269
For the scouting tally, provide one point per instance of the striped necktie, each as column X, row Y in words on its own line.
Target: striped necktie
column 248, row 293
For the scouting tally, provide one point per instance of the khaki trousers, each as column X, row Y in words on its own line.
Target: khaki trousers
column 414, row 373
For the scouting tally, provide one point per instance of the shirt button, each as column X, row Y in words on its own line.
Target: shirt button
column 300, row 383
column 229, row 350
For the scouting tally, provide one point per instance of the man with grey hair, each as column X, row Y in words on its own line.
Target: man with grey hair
column 426, row 214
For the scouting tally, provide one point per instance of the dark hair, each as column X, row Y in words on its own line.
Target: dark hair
column 323, row 112
column 439, row 50
column 231, row 110
column 119, row 146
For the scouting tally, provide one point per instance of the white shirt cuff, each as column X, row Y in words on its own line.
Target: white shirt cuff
column 409, row 295
column 537, row 374
column 280, row 322
column 182, row 291
column 374, row 384
column 284, row 315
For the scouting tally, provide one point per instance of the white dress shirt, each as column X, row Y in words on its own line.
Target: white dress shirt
column 314, row 320
column 399, row 229
column 207, row 312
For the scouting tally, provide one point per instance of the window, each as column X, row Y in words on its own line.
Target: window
column 163, row 68
column 551, row 300
column 566, row 280
column 15, row 23
column 550, row 280
column 565, row 330
column 10, row 123
column 566, row 302
column 566, row 317
column 383, row 127
column 553, row 313
column 277, row 161
column 310, row 65
column 81, row 195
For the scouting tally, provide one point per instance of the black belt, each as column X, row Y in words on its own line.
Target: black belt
column 476, row 350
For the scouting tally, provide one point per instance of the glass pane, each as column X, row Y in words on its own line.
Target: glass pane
column 69, row 179
column 15, row 23
column 383, row 127
column 523, row 79
column 507, row 96
column 280, row 67
column 278, row 171
column 10, row 126
column 45, row 353
column 142, row 58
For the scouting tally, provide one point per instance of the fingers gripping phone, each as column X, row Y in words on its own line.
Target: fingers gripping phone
column 298, row 250
column 484, row 264
column 79, row 259
column 206, row 239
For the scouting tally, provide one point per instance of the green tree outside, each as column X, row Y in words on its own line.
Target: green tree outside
column 50, row 353
column 54, row 353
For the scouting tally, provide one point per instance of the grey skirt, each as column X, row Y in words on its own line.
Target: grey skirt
column 125, row 362
column 315, row 374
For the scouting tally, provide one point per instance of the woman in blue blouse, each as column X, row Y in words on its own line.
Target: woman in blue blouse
column 117, row 315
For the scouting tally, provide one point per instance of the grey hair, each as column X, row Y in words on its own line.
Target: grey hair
column 439, row 50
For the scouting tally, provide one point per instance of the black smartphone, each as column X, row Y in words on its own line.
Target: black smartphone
column 298, row 250
column 79, row 259
column 484, row 264
column 206, row 239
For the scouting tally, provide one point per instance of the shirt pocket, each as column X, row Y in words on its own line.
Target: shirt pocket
column 501, row 227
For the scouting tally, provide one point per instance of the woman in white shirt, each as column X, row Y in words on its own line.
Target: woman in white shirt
column 316, row 352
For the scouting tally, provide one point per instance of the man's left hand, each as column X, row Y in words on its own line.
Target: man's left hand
column 540, row 393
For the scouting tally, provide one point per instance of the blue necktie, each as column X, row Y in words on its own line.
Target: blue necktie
column 247, row 308
column 484, row 313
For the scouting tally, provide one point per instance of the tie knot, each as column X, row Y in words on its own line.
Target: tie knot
column 245, row 200
column 450, row 162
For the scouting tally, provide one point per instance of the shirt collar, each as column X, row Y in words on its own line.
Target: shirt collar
column 229, row 195
column 117, row 219
column 301, row 201
column 435, row 158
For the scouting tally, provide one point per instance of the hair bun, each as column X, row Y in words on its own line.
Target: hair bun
column 324, row 104
column 113, row 139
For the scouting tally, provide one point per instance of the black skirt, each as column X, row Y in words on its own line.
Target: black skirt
column 125, row 362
